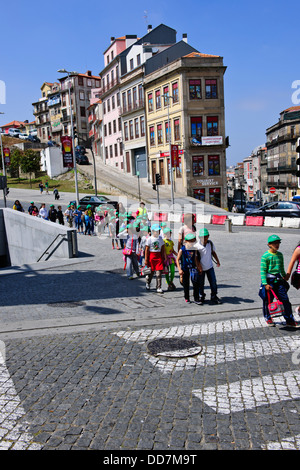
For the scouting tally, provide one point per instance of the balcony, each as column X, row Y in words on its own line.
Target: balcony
column 140, row 104
column 108, row 87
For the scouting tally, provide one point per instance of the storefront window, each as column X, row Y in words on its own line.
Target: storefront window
column 198, row 165
column 199, row 194
column 215, row 196
column 213, row 165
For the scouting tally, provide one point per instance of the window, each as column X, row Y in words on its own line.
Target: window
column 112, row 74
column 81, row 95
column 118, row 99
column 199, row 194
column 131, row 129
column 138, row 59
column 195, row 89
column 124, row 101
column 108, row 105
column 129, row 103
column 105, row 130
column 119, row 124
column 141, row 94
column 121, row 148
column 113, row 102
column 134, row 97
column 116, row 150
column 109, row 128
column 176, row 130
column 212, row 125
column 104, row 107
column 80, row 81
column 89, row 82
column 211, row 89
column 150, row 102
column 198, row 165
column 106, row 152
column 157, row 99
column 136, row 127
column 167, row 131
column 159, row 134
column 213, row 165
column 110, row 151
column 131, row 64
column 166, row 95
column 152, row 136
column 196, row 127
column 114, row 126
column 142, row 125
column 175, row 92
column 215, row 196
column 82, row 111
column 126, row 130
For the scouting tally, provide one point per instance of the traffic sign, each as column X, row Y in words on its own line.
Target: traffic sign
column 272, row 190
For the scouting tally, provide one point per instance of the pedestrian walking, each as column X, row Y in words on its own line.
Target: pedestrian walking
column 189, row 267
column 130, row 251
column 18, row 206
column 56, row 194
column 52, row 214
column 170, row 261
column 60, row 216
column 207, row 252
column 41, row 186
column 188, row 227
column 32, row 208
column 69, row 214
column 295, row 276
column 78, row 219
column 154, row 258
column 273, row 281
column 47, row 187
column 43, row 213
column 144, row 234
column 87, row 223
column 112, row 233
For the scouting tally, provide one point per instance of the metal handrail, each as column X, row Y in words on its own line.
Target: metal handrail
column 46, row 251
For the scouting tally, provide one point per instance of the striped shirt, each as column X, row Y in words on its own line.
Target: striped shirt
column 271, row 263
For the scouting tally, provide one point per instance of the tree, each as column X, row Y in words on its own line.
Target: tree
column 30, row 162
column 15, row 161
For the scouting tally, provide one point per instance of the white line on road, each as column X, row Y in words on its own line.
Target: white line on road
column 248, row 394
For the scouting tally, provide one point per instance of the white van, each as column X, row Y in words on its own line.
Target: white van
column 14, row 132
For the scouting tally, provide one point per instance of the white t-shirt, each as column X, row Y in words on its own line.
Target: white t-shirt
column 206, row 254
column 154, row 244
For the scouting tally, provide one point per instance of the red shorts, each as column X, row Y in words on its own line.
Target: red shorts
column 155, row 261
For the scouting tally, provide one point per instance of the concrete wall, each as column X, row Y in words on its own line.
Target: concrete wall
column 52, row 161
column 28, row 237
column 4, row 258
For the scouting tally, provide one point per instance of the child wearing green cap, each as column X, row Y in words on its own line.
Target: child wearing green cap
column 112, row 233
column 189, row 267
column 154, row 257
column 274, row 279
column 207, row 252
column 170, row 258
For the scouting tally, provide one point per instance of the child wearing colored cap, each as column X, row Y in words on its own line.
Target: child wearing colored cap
column 189, row 267
column 274, row 278
column 207, row 252
column 154, row 257
column 170, row 258
column 112, row 233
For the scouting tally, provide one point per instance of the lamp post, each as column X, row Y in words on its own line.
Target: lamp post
column 72, row 130
column 3, row 166
column 169, row 138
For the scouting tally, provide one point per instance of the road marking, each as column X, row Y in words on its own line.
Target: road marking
column 12, row 435
column 288, row 443
column 221, row 353
column 248, row 394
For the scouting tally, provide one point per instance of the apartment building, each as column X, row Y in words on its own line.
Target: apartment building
column 41, row 113
column 184, row 95
column 80, row 86
column 281, row 154
column 95, row 118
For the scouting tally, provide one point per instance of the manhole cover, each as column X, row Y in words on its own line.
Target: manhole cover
column 66, row 304
column 174, row 347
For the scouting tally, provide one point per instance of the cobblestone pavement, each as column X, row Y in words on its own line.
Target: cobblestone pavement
column 77, row 369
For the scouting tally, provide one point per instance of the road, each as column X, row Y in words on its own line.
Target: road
column 78, row 371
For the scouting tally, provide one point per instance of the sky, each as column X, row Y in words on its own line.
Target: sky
column 258, row 40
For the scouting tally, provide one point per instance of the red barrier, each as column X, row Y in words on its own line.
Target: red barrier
column 219, row 219
column 160, row 217
column 194, row 217
column 252, row 220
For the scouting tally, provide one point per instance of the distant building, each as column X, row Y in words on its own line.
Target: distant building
column 41, row 113
column 281, row 154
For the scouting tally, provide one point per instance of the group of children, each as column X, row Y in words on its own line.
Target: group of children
column 149, row 250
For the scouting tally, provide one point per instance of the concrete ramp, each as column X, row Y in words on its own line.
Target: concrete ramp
column 25, row 239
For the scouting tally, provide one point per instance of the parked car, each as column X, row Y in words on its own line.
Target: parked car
column 23, row 135
column 14, row 132
column 252, row 205
column 82, row 159
column 80, row 149
column 277, row 209
column 33, row 138
column 95, row 201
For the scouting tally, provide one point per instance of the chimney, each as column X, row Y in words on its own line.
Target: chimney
column 89, row 73
column 149, row 28
column 184, row 37
column 112, row 39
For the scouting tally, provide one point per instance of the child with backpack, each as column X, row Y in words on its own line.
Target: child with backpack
column 170, row 262
column 154, row 257
column 189, row 267
column 273, row 281
column 207, row 252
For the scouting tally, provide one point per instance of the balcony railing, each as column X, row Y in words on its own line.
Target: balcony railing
column 108, row 86
column 139, row 104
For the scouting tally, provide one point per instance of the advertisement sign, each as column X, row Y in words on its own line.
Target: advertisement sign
column 67, row 151
column 174, row 156
column 212, row 140
column 6, row 154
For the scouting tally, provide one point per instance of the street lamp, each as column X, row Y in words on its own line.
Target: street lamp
column 169, row 137
column 70, row 74
column 3, row 166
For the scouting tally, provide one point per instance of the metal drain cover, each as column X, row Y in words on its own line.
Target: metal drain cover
column 66, row 304
column 174, row 347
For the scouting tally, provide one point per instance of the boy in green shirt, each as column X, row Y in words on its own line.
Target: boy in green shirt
column 273, row 277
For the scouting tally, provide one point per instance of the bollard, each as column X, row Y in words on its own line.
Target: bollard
column 228, row 225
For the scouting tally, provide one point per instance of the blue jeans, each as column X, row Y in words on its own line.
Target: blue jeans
column 210, row 273
column 280, row 289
